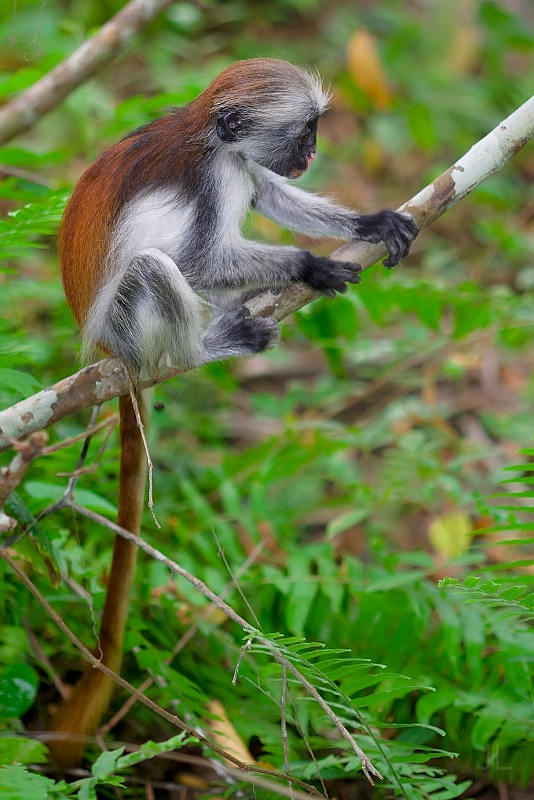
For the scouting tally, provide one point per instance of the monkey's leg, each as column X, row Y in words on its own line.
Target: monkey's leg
column 79, row 716
column 149, row 311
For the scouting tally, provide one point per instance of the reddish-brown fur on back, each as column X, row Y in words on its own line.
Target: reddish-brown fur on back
column 146, row 158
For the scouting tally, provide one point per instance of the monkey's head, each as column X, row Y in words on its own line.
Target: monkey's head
column 267, row 110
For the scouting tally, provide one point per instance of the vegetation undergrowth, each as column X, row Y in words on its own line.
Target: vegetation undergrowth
column 362, row 455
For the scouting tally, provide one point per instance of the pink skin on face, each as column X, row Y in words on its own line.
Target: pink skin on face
column 310, row 158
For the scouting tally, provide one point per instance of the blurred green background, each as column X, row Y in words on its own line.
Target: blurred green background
column 363, row 451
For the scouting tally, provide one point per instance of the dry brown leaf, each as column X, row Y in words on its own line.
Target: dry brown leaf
column 365, row 67
column 466, row 39
column 225, row 735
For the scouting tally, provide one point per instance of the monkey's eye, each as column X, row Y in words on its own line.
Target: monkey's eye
column 304, row 136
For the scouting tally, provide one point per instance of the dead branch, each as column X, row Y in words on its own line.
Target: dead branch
column 11, row 476
column 106, row 379
column 22, row 113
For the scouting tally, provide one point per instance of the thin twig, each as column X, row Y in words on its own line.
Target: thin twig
column 92, row 468
column 246, row 646
column 283, row 724
column 185, row 639
column 236, row 584
column 172, row 718
column 27, row 175
column 179, row 756
column 141, row 428
column 45, row 661
column 86, row 436
column 12, row 475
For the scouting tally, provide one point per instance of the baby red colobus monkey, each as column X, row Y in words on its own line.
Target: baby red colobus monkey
column 151, row 240
column 153, row 228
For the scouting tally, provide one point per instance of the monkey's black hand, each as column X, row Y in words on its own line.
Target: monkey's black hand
column 326, row 275
column 397, row 231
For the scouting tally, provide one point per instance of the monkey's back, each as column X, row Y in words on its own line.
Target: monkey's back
column 149, row 156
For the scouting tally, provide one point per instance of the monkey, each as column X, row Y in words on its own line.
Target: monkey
column 155, row 269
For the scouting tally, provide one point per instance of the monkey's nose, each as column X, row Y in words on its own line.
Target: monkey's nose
column 311, row 157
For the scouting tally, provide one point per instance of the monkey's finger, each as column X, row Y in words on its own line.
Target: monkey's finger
column 395, row 253
column 408, row 224
column 351, row 272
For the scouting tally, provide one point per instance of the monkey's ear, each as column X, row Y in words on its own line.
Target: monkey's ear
column 230, row 126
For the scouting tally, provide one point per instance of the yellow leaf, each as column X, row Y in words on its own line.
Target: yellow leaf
column 365, row 67
column 464, row 53
column 225, row 735
column 450, row 536
column 465, row 38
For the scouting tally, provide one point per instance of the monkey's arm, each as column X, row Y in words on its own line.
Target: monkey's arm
column 309, row 213
column 250, row 265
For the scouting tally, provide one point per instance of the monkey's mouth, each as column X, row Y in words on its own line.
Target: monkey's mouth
column 296, row 173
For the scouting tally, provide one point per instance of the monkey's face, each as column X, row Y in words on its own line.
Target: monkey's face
column 293, row 150
column 286, row 149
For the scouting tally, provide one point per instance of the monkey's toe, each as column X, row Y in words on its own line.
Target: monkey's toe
column 266, row 333
column 250, row 334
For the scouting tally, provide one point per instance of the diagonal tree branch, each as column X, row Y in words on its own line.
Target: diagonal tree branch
column 106, row 379
column 22, row 113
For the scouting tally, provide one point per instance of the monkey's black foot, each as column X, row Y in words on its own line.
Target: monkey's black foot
column 258, row 333
column 397, row 231
column 238, row 334
column 328, row 276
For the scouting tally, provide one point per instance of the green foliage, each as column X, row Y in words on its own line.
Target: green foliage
column 24, row 227
column 16, row 783
column 18, row 688
column 383, row 413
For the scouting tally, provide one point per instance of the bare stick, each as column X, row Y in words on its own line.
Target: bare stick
column 22, row 113
column 45, row 661
column 283, row 723
column 87, row 435
column 246, row 646
column 150, row 465
column 185, row 639
column 106, row 379
column 236, row 584
column 14, row 473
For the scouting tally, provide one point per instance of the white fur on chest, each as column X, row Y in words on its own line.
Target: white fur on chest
column 236, row 191
column 157, row 219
